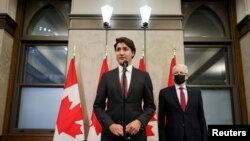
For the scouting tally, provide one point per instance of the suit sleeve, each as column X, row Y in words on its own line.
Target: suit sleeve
column 161, row 117
column 100, row 103
column 148, row 98
column 202, row 119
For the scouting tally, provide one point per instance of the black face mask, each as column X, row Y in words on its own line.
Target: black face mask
column 179, row 79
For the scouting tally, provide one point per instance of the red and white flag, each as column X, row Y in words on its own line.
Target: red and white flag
column 152, row 127
column 69, row 125
column 170, row 75
column 95, row 127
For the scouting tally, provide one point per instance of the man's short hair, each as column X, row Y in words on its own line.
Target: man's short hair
column 182, row 66
column 126, row 41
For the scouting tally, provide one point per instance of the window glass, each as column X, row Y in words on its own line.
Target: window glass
column 207, row 66
column 48, row 22
column 217, row 106
column 39, row 107
column 204, row 23
column 45, row 64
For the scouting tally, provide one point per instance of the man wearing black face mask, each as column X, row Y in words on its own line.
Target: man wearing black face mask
column 181, row 114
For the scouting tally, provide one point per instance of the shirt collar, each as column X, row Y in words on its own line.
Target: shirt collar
column 178, row 86
column 129, row 68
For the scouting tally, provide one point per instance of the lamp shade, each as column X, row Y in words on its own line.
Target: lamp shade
column 145, row 13
column 106, row 13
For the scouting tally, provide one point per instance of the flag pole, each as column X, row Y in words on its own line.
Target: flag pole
column 106, row 43
column 142, row 53
column 106, row 50
column 145, row 40
column 172, row 64
column 74, row 53
column 174, row 50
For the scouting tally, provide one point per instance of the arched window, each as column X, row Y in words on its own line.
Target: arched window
column 203, row 22
column 48, row 21
column 42, row 66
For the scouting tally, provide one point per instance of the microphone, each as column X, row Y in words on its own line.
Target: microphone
column 125, row 65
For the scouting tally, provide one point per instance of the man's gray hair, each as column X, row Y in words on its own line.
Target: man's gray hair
column 182, row 66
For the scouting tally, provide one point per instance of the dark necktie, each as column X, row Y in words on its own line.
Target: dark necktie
column 124, row 84
column 182, row 99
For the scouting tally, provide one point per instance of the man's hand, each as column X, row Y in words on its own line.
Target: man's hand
column 133, row 127
column 116, row 129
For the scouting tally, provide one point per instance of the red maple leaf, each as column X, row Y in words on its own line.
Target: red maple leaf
column 67, row 118
column 149, row 131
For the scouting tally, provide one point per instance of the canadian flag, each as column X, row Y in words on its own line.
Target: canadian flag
column 69, row 125
column 95, row 127
column 152, row 127
column 170, row 77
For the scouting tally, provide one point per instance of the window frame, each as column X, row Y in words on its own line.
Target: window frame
column 228, row 65
column 221, row 8
column 25, row 40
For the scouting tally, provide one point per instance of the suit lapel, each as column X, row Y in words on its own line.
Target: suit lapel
column 116, row 82
column 190, row 98
column 132, row 81
column 175, row 98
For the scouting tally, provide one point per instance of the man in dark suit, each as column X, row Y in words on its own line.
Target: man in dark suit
column 181, row 115
column 130, row 105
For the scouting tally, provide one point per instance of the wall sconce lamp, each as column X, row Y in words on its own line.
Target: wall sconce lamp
column 145, row 15
column 106, row 15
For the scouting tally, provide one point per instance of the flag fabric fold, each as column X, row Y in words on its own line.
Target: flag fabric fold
column 69, row 125
column 170, row 77
column 142, row 65
column 152, row 128
column 95, row 127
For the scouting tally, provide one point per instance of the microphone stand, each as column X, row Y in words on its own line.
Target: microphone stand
column 124, row 81
column 123, row 102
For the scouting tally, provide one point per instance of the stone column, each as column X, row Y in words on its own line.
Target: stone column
column 243, row 20
column 7, row 25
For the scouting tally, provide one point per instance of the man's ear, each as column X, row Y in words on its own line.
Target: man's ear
column 133, row 54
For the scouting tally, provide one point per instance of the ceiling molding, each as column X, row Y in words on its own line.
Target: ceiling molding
column 126, row 22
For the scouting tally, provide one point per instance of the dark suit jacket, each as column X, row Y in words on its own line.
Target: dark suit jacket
column 178, row 124
column 140, row 92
